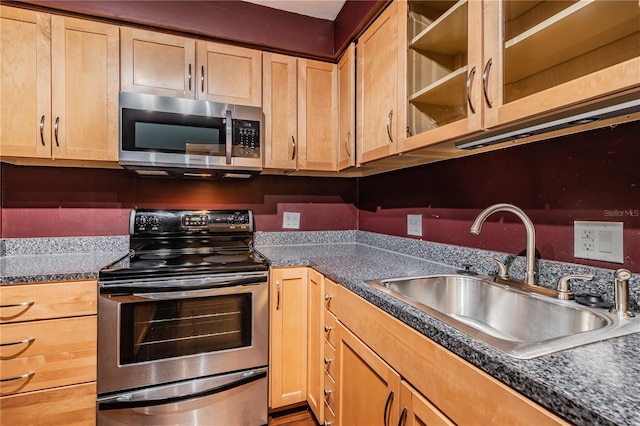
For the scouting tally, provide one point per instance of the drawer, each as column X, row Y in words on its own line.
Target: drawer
column 27, row 302
column 330, row 389
column 329, row 415
column 69, row 405
column 330, row 292
column 26, row 374
column 330, row 364
column 331, row 328
column 46, row 337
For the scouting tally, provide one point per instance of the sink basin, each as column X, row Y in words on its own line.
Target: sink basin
column 520, row 324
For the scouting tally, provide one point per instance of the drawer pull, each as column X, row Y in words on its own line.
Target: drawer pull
column 327, row 328
column 24, row 376
column 327, row 297
column 28, row 341
column 15, row 305
column 327, row 361
column 327, row 392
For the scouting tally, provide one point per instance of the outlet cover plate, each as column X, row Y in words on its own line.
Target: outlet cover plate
column 414, row 225
column 598, row 241
column 291, row 220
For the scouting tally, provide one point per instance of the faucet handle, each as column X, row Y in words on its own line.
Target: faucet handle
column 502, row 270
column 564, row 288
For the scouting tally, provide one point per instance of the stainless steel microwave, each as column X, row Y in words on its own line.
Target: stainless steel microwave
column 163, row 136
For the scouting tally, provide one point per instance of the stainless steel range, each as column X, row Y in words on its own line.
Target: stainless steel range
column 183, row 323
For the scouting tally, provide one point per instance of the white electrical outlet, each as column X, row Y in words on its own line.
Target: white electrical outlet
column 414, row 225
column 598, row 241
column 291, row 220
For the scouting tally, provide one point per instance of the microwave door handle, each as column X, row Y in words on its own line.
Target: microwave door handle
column 128, row 404
column 229, row 142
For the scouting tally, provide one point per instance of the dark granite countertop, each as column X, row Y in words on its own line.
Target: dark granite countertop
column 594, row 384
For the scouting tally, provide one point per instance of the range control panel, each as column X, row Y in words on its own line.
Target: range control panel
column 143, row 222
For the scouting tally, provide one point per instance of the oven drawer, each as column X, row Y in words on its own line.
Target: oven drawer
column 22, row 340
column 47, row 371
column 69, row 405
column 48, row 300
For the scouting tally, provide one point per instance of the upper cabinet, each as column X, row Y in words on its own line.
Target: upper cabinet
column 477, row 65
column 347, row 109
column 445, row 71
column 168, row 65
column 59, row 87
column 380, row 89
column 559, row 54
column 300, row 107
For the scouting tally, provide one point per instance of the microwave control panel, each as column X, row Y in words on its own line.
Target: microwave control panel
column 246, row 138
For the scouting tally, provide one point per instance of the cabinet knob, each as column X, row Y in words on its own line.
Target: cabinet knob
column 327, row 328
column 327, row 297
column 327, row 361
column 327, row 392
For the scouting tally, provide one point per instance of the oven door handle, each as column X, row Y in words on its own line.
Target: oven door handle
column 207, row 285
column 126, row 404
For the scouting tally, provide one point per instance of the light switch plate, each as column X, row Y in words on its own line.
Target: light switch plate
column 598, row 241
column 414, row 225
column 291, row 220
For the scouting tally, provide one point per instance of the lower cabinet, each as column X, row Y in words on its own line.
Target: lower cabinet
column 48, row 342
column 288, row 337
column 415, row 410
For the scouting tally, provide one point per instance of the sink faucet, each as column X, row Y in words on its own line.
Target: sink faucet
column 529, row 273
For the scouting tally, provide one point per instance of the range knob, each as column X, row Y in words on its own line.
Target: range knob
column 154, row 221
column 141, row 221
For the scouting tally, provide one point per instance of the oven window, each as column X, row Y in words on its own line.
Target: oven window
column 173, row 328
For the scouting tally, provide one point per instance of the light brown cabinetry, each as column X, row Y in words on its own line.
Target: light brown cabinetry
column 48, row 359
column 288, row 337
column 301, row 113
column 482, row 65
column 168, row 65
column 59, row 87
column 347, row 109
column 315, row 348
column 415, row 410
column 380, row 87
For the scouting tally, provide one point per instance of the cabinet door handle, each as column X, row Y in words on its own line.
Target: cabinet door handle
column 277, row 295
column 403, row 416
column 42, row 131
column 23, row 376
column 472, row 74
column 389, row 121
column 55, row 129
column 293, row 144
column 485, row 83
column 202, row 78
column 346, row 143
column 16, row 305
column 19, row 342
column 189, row 76
column 386, row 408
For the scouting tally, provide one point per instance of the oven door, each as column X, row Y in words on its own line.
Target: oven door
column 230, row 399
column 161, row 331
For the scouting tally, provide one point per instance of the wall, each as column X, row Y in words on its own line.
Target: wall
column 589, row 176
column 55, row 202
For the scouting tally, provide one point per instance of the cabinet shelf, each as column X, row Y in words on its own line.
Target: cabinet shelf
column 447, row 35
column 443, row 101
column 576, row 30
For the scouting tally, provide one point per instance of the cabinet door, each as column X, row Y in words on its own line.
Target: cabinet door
column 280, row 111
column 445, row 70
column 347, row 109
column 229, row 74
column 157, row 63
column 25, row 84
column 559, row 54
column 378, row 109
column 368, row 387
column 315, row 352
column 317, row 115
column 415, row 410
column 288, row 348
column 85, row 59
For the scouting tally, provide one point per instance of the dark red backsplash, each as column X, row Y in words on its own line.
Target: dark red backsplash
column 589, row 176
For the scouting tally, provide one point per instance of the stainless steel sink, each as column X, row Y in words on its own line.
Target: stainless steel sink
column 520, row 324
